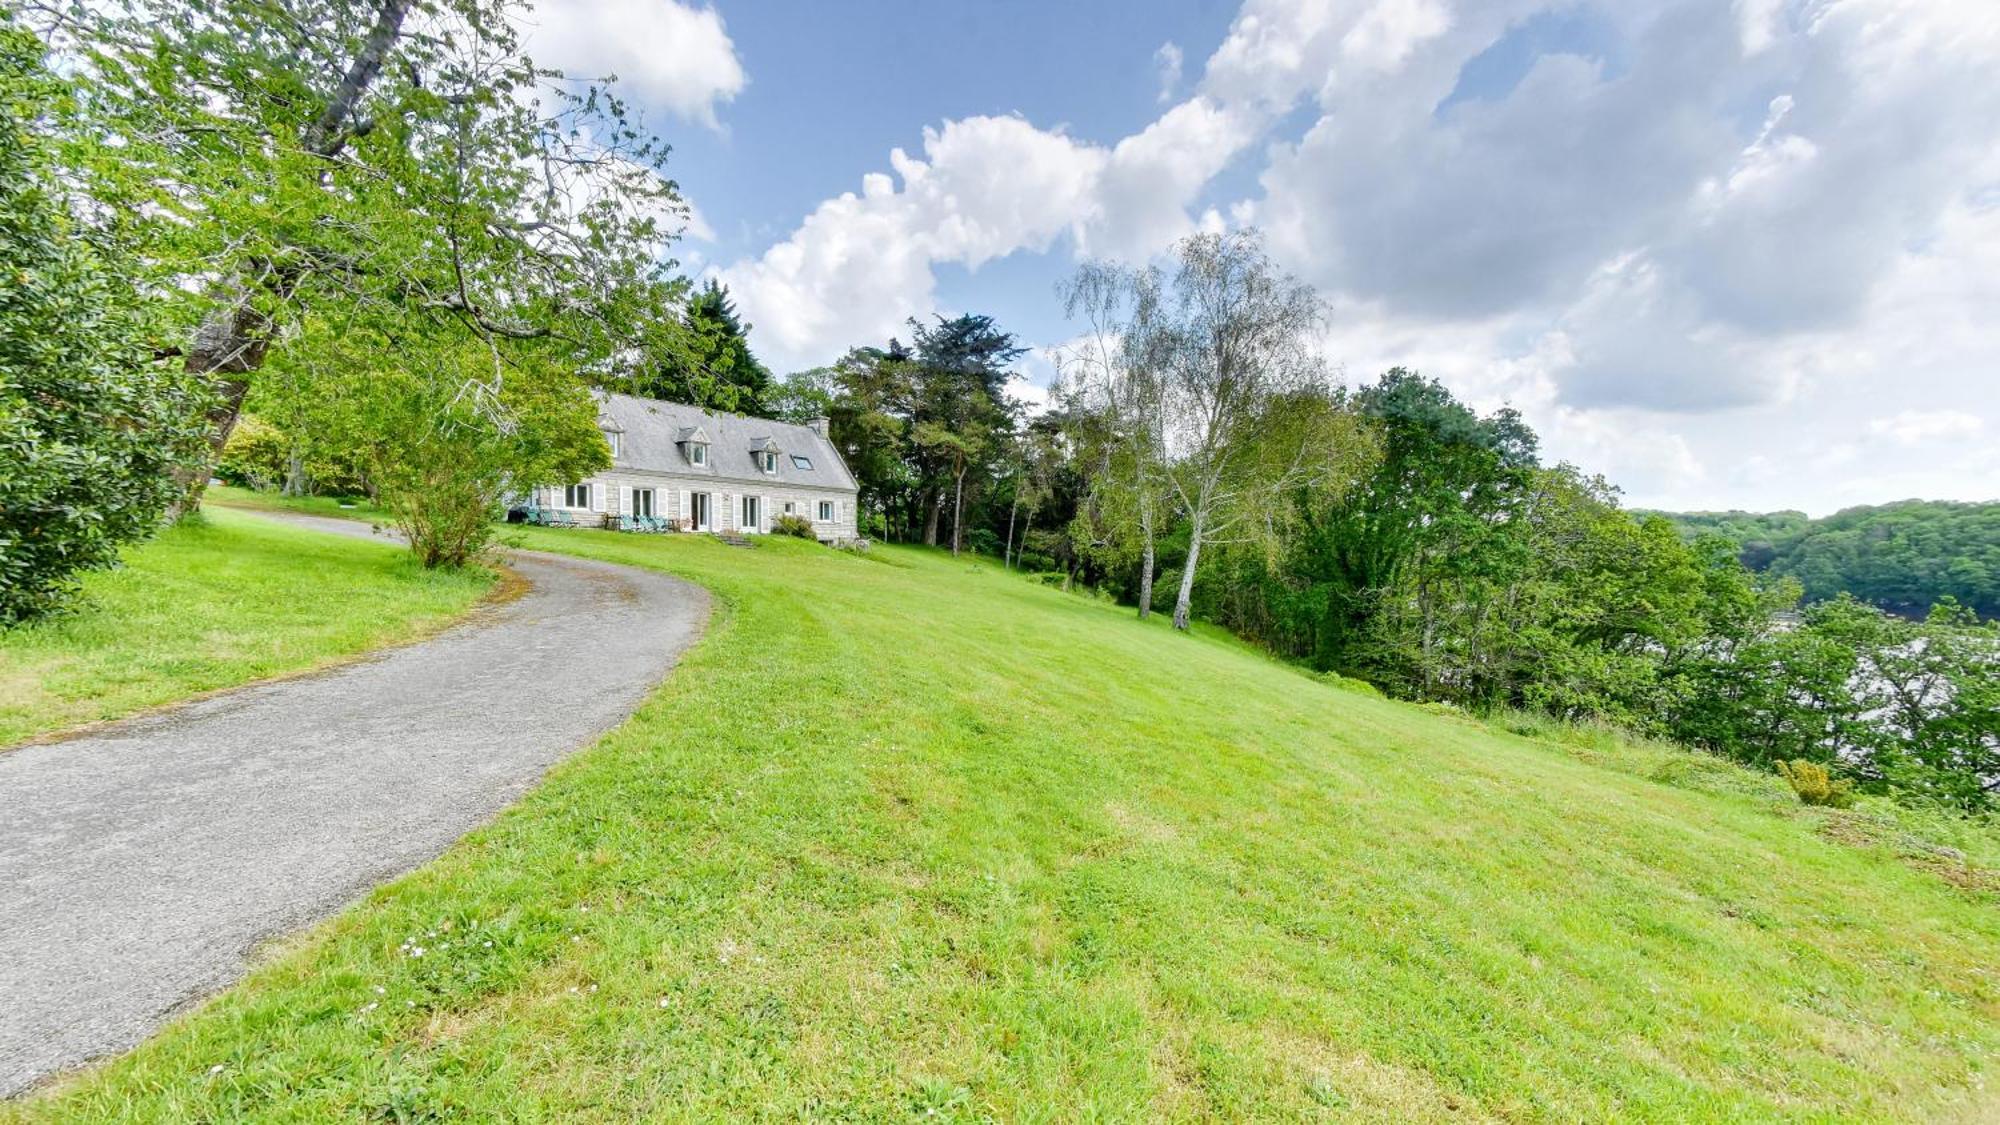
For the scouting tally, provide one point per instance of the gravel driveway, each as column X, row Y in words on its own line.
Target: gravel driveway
column 139, row 865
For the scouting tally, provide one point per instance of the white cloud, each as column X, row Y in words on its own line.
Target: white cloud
column 985, row 187
column 1915, row 427
column 695, row 225
column 860, row 264
column 1167, row 62
column 666, row 54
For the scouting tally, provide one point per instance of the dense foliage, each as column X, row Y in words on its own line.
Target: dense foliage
column 89, row 424
column 1904, row 557
column 923, row 425
column 398, row 167
column 710, row 364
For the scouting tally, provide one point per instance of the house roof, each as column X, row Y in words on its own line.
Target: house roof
column 654, row 430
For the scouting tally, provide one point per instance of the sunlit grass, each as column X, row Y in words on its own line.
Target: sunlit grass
column 211, row 605
column 906, row 836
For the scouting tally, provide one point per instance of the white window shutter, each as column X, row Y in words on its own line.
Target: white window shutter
column 682, row 513
column 624, row 499
column 596, row 497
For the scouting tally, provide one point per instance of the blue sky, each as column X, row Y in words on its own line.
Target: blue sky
column 1728, row 253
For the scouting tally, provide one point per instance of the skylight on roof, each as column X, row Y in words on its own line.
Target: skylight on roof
column 801, row 461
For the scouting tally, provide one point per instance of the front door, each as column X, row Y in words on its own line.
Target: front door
column 752, row 513
column 698, row 514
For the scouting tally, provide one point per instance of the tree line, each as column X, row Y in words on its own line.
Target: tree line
column 1199, row 459
column 1904, row 557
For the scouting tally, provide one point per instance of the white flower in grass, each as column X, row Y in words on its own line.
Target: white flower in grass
column 666, row 1001
column 416, row 951
column 216, row 1069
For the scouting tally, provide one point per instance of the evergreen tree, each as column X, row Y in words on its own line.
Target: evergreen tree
column 711, row 365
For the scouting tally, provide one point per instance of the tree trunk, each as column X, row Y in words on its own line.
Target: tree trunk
column 1182, row 603
column 231, row 342
column 957, row 512
column 1007, row 556
column 295, row 471
column 936, row 503
column 1146, row 558
column 229, row 345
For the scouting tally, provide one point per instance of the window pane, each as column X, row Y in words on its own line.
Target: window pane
column 800, row 461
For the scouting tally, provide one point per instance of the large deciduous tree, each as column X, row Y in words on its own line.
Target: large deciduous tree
column 398, row 161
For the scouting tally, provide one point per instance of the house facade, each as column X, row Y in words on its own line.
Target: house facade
column 699, row 470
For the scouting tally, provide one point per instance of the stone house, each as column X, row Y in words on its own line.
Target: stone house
column 700, row 470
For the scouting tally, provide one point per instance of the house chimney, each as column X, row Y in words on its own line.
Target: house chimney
column 818, row 425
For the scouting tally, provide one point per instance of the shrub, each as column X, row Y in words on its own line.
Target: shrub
column 254, row 457
column 794, row 525
column 1349, row 683
column 982, row 541
column 90, row 426
column 1816, row 786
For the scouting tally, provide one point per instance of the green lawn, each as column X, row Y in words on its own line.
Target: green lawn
column 905, row 835
column 211, row 606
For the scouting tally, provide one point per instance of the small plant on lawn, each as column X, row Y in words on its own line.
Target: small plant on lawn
column 1815, row 786
column 793, row 525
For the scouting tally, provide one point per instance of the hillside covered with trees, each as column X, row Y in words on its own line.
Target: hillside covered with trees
column 1904, row 557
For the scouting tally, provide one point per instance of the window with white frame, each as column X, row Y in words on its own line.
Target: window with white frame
column 697, row 453
column 612, row 437
column 576, row 496
column 826, row 511
column 768, row 461
column 642, row 503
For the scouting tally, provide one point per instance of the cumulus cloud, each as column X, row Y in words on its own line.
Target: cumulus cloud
column 984, row 187
column 860, row 264
column 666, row 54
column 1669, row 231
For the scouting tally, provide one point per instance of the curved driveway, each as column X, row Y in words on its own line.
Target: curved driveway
column 140, row 864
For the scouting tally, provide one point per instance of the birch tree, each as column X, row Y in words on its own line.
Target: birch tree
column 1236, row 347
column 1114, row 370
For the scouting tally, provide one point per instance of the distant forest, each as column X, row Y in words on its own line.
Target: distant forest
column 1902, row 556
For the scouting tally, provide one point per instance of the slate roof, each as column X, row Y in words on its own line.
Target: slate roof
column 653, row 430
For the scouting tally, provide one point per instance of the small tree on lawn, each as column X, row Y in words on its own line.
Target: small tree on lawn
column 446, row 433
column 89, row 425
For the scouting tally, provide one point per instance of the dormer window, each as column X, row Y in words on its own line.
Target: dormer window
column 611, row 437
column 693, row 441
column 768, row 461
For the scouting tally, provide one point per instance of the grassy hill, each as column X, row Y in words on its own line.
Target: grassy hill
column 910, row 837
column 214, row 605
